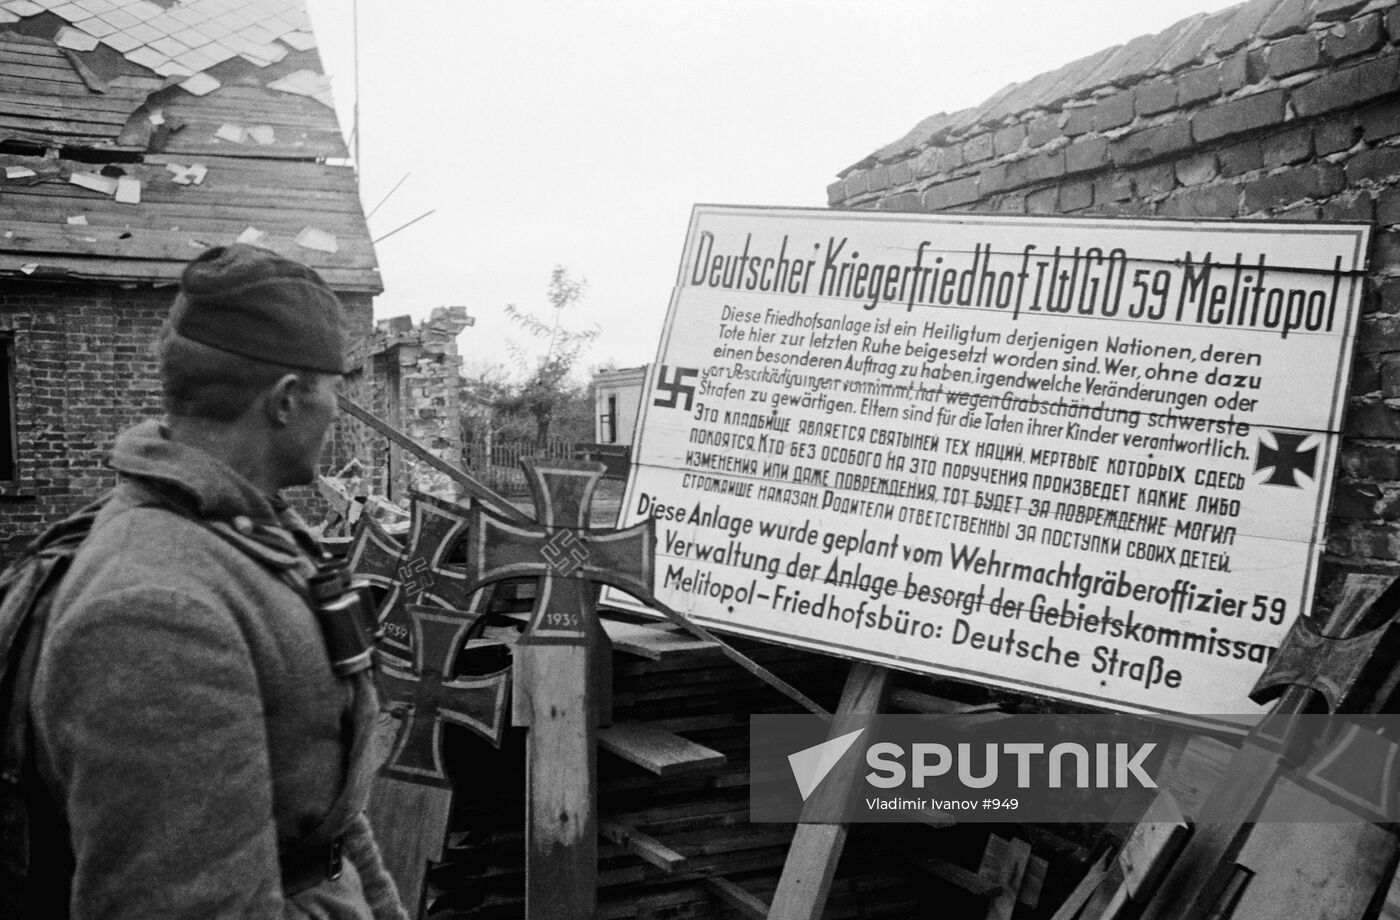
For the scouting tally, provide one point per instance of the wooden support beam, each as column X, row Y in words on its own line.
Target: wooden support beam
column 816, row 848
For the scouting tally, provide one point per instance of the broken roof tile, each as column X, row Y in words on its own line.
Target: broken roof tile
column 166, row 24
column 189, row 15
column 200, row 84
column 74, row 39
column 173, row 69
column 7, row 16
column 302, row 82
column 94, row 182
column 120, row 18
column 218, row 53
column 23, row 7
column 262, row 54
column 169, row 46
column 122, row 42
column 192, row 37
column 143, row 32
column 319, row 240
column 196, row 60
column 96, row 26
column 143, row 10
column 147, row 56
column 301, row 41
column 257, row 33
column 187, row 175
column 128, row 190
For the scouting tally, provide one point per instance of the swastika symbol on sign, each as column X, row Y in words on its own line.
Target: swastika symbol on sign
column 675, row 388
column 564, row 553
column 410, row 576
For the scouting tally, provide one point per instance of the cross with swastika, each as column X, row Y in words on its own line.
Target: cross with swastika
column 417, row 573
column 433, row 696
column 562, row 667
column 561, row 552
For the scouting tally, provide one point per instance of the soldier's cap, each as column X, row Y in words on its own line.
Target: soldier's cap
column 253, row 302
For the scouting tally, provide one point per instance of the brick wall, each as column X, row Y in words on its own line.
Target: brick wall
column 84, row 372
column 414, row 383
column 1271, row 109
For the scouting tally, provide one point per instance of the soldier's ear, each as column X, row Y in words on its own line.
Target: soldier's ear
column 279, row 400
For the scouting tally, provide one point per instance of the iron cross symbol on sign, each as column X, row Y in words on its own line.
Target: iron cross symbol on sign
column 1285, row 460
column 561, row 668
column 435, row 696
column 418, row 573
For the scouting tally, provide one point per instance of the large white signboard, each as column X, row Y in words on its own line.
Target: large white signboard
column 1087, row 458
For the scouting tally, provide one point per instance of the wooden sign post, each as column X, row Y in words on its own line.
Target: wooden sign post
column 562, row 668
column 816, row 848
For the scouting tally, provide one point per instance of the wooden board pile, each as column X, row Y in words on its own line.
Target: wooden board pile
column 674, row 809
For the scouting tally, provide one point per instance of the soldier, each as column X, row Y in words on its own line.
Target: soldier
column 201, row 757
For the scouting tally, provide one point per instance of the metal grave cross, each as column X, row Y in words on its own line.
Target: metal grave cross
column 561, row 667
column 416, row 573
column 417, row 652
column 435, row 696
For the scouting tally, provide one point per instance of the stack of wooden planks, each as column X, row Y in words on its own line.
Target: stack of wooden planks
column 677, row 841
column 673, row 796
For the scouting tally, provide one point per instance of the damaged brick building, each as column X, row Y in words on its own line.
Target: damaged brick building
column 134, row 134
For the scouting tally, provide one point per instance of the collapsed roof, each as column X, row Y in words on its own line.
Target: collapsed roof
column 134, row 133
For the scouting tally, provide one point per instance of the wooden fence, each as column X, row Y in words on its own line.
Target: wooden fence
column 497, row 462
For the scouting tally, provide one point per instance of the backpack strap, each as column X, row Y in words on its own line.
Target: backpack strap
column 26, row 596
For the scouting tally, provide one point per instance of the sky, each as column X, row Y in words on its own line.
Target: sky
column 580, row 133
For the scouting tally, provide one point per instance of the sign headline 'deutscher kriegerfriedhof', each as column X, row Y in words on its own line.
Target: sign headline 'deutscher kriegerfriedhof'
column 1085, row 458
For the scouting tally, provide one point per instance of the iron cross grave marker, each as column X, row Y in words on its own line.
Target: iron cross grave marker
column 415, row 573
column 431, row 696
column 561, row 667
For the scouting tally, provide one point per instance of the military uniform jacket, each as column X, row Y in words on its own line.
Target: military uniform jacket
column 187, row 722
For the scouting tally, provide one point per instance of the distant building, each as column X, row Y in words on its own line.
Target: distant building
column 617, row 397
